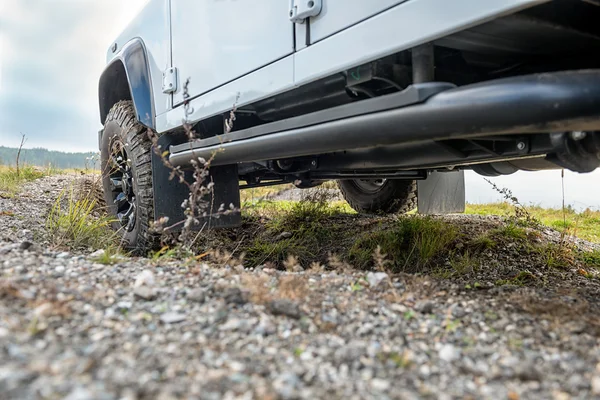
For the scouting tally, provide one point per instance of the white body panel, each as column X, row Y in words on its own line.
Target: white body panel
column 275, row 78
column 402, row 27
column 337, row 15
column 244, row 50
column 152, row 26
column 215, row 42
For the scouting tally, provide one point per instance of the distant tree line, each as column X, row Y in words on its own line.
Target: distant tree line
column 43, row 158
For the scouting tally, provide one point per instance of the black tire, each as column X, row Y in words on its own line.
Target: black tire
column 386, row 197
column 125, row 152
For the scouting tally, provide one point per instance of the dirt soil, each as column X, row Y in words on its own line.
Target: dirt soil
column 73, row 328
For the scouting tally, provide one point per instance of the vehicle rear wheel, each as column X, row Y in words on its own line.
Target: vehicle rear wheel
column 380, row 195
column 125, row 153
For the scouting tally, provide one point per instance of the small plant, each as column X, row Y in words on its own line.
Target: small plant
column 109, row 256
column 521, row 215
column 76, row 224
column 559, row 255
column 483, row 242
column 411, row 243
column 523, row 278
column 510, row 231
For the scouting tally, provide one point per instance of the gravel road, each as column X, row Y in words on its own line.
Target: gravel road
column 141, row 329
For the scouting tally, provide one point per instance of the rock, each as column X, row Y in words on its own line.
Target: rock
column 234, row 296
column 380, row 385
column 283, row 235
column 297, row 268
column 375, row 278
column 196, row 295
column 98, row 253
column 25, row 234
column 527, row 372
column 80, row 394
column 425, row 307
column 59, row 269
column 458, row 312
column 172, row 317
column 124, row 306
column 145, row 278
column 64, row 254
column 26, row 245
column 286, row 385
column 595, row 384
column 449, row 353
column 285, row 307
column 144, row 293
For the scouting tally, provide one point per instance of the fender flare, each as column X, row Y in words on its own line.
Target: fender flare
column 127, row 77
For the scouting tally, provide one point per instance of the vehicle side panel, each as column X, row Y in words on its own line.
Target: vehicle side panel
column 401, row 27
column 217, row 41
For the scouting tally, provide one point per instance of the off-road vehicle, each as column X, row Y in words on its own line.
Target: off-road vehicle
column 393, row 99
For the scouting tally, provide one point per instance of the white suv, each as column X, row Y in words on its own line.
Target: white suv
column 389, row 97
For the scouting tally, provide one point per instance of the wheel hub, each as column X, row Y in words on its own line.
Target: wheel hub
column 121, row 179
column 370, row 185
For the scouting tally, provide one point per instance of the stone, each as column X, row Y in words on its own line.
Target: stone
column 97, row 253
column 196, row 295
column 144, row 293
column 375, row 278
column 449, row 353
column 283, row 235
column 234, row 296
column 425, row 307
column 172, row 318
column 145, row 278
column 286, row 308
column 26, row 245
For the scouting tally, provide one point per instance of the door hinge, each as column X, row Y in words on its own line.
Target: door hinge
column 169, row 84
column 302, row 9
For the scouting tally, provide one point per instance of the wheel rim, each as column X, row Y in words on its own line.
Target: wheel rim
column 121, row 185
column 370, row 185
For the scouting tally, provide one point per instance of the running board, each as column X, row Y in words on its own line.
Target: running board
column 539, row 103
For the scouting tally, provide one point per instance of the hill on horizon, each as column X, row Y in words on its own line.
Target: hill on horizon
column 41, row 157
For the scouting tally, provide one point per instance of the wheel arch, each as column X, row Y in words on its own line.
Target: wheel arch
column 127, row 77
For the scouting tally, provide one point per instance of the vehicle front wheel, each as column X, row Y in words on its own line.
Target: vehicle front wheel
column 125, row 152
column 376, row 196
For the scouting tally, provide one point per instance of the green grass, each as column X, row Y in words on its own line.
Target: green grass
column 10, row 180
column 585, row 224
column 410, row 243
column 73, row 223
column 307, row 223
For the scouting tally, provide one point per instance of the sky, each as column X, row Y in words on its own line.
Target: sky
column 52, row 53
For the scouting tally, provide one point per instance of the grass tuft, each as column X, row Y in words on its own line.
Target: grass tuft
column 76, row 225
column 10, row 179
column 412, row 242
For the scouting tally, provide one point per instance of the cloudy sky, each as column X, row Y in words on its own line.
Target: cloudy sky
column 52, row 54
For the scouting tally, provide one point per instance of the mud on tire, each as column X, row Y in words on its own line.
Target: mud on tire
column 125, row 152
column 380, row 197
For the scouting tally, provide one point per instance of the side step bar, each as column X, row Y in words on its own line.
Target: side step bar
column 539, row 103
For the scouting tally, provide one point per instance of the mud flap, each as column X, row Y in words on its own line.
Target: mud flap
column 170, row 194
column 441, row 193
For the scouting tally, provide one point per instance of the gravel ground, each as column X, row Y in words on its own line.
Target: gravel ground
column 72, row 328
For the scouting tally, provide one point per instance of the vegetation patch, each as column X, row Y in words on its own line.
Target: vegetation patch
column 12, row 178
column 75, row 223
column 410, row 243
column 584, row 224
